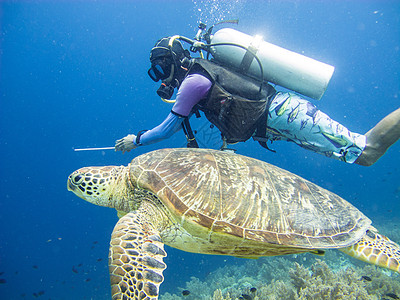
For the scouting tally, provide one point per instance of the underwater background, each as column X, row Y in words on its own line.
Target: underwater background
column 74, row 75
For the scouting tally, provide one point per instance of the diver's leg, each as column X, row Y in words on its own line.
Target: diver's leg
column 380, row 138
column 295, row 119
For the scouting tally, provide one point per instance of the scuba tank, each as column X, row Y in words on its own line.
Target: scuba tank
column 255, row 58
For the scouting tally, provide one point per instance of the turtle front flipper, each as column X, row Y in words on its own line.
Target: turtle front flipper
column 136, row 259
column 377, row 249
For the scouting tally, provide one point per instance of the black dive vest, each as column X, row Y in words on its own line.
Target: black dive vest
column 234, row 103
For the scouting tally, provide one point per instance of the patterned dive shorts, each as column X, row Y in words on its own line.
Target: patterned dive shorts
column 295, row 119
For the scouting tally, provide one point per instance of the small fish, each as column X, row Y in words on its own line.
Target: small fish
column 366, row 278
column 293, row 114
column 87, row 279
column 40, row 293
column 273, row 131
column 281, row 108
column 336, row 141
column 1, row 273
column 95, row 242
column 253, row 290
column 99, row 259
column 2, row 280
column 35, row 267
column 74, row 269
column 185, row 292
column 247, row 297
column 80, row 265
column 318, row 252
column 309, row 146
column 35, row 295
column 303, row 124
column 391, row 295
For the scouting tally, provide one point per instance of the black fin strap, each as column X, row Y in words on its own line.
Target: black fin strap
column 264, row 145
column 140, row 133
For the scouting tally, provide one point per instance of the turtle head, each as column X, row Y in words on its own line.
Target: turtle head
column 96, row 185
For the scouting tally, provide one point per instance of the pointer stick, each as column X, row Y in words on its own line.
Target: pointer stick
column 95, row 149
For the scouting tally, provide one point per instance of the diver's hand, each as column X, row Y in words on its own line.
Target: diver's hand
column 125, row 144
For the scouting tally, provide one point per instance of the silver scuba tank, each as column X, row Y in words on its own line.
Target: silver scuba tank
column 280, row 66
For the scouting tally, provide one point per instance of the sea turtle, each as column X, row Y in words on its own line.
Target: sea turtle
column 216, row 202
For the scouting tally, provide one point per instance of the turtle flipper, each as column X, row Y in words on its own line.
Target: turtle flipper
column 377, row 249
column 135, row 259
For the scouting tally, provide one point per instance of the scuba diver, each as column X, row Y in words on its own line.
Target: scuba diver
column 241, row 108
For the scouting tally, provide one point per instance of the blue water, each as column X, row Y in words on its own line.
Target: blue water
column 73, row 75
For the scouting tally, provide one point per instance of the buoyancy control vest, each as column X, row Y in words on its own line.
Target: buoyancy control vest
column 235, row 103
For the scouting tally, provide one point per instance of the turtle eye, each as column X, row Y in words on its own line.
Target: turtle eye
column 77, row 179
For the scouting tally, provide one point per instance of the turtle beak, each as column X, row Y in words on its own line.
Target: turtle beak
column 70, row 186
column 73, row 185
column 73, row 188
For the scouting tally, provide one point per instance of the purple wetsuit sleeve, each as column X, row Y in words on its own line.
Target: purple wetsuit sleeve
column 163, row 131
column 193, row 89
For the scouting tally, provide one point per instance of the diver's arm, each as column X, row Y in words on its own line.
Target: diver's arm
column 163, row 131
column 194, row 88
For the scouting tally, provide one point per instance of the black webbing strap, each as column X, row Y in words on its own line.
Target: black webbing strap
column 191, row 140
column 261, row 130
column 139, row 134
column 248, row 58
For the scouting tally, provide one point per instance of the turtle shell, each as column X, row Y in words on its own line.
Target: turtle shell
column 222, row 193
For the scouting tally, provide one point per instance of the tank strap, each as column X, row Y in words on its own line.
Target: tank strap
column 250, row 54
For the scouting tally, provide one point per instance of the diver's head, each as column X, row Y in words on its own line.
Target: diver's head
column 169, row 62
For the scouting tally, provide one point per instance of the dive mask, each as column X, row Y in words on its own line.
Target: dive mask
column 160, row 69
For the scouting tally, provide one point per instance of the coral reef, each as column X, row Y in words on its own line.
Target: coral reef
column 295, row 277
column 323, row 283
column 285, row 278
